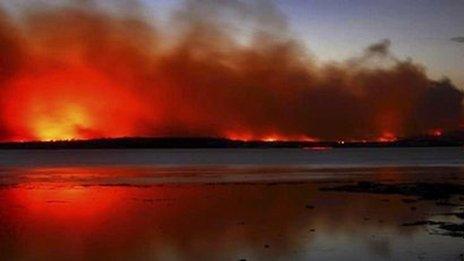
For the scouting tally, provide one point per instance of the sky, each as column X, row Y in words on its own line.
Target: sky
column 184, row 76
column 335, row 30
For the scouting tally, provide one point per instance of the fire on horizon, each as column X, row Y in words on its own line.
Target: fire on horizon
column 80, row 72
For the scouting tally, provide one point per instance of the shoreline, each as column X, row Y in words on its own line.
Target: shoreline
column 223, row 143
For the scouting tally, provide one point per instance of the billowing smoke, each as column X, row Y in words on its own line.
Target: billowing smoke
column 217, row 68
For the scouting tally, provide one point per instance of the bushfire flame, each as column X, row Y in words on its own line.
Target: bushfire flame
column 82, row 71
column 63, row 105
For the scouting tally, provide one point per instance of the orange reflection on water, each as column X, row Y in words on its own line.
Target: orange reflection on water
column 66, row 203
column 65, row 219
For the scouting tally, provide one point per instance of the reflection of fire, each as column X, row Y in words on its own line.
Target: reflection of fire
column 65, row 203
column 63, row 221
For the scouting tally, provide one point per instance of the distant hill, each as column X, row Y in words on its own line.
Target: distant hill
column 146, row 143
column 448, row 139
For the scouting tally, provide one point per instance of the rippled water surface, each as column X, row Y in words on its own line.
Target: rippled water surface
column 223, row 205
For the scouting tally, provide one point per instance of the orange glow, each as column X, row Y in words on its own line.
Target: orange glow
column 436, row 132
column 65, row 126
column 65, row 203
column 70, row 104
column 239, row 136
column 79, row 72
column 274, row 137
column 387, row 137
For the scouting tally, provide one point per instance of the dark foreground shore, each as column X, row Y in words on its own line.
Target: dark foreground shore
column 220, row 213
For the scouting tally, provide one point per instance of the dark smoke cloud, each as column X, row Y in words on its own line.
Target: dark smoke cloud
column 382, row 48
column 10, row 48
column 458, row 39
column 213, row 79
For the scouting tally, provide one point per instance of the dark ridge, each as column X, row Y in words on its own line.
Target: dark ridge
column 449, row 139
column 147, row 143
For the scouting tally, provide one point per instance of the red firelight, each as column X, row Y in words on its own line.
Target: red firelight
column 436, row 132
column 69, row 104
column 387, row 137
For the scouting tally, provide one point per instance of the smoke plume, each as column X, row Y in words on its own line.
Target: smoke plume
column 216, row 68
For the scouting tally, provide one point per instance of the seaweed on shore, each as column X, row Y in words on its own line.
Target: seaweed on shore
column 425, row 191
column 421, row 223
column 455, row 214
column 441, row 228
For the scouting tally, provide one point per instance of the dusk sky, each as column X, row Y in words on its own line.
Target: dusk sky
column 339, row 29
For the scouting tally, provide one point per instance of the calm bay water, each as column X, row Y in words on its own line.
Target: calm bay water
column 222, row 205
column 332, row 158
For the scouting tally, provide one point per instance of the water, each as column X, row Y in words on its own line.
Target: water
column 332, row 158
column 222, row 205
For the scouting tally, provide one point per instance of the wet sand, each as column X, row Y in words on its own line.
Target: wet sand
column 224, row 213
